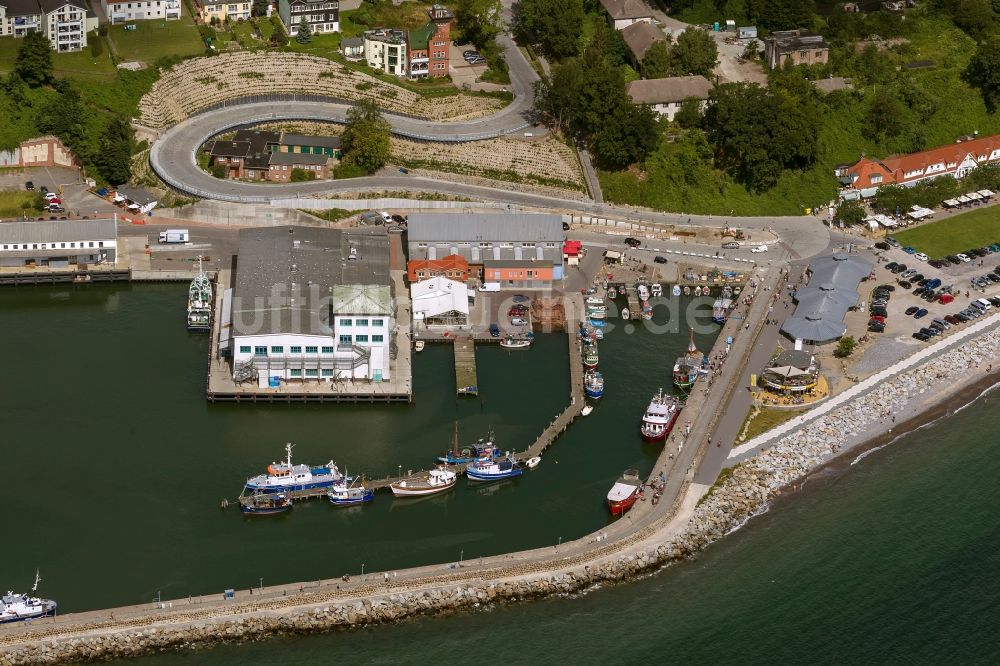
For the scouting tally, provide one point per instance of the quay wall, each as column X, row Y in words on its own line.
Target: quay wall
column 631, row 552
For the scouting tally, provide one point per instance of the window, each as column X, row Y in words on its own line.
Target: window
column 345, row 322
column 311, row 350
column 378, row 322
column 244, row 349
column 362, row 322
column 312, row 372
column 296, row 373
column 327, row 350
column 327, row 372
column 260, row 351
column 296, row 349
column 277, row 349
column 361, row 338
column 100, row 244
column 378, row 338
column 346, row 339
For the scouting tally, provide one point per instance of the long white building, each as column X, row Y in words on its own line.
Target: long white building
column 311, row 304
column 58, row 244
column 126, row 11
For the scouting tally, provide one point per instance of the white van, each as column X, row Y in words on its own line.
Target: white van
column 982, row 304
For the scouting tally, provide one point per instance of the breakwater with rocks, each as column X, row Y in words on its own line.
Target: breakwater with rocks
column 745, row 492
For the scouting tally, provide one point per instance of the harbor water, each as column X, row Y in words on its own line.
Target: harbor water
column 116, row 464
column 891, row 560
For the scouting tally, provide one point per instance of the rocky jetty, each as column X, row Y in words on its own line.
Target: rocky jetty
column 744, row 493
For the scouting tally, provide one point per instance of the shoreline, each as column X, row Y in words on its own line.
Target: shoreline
column 926, row 392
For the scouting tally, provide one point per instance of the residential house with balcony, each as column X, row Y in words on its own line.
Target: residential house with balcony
column 801, row 47
column 123, row 11
column 429, row 45
column 864, row 177
column 385, row 50
column 322, row 16
column 224, row 9
column 65, row 24
column 19, row 17
column 312, row 305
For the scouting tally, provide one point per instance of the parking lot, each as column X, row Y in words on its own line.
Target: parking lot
column 915, row 293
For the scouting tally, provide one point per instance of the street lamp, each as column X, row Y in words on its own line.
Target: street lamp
column 461, row 556
column 362, row 570
column 262, row 584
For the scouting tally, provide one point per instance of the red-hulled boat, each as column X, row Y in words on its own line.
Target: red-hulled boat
column 624, row 493
column 660, row 417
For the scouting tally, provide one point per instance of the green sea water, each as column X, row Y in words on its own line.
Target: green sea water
column 115, row 464
column 892, row 560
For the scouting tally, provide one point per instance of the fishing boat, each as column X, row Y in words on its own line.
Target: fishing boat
column 342, row 494
column 612, row 293
column 259, row 503
column 282, row 477
column 599, row 315
column 594, row 301
column 686, row 367
column 432, row 482
column 21, row 607
column 510, row 342
column 593, row 384
column 419, row 345
column 697, row 291
column 624, row 493
column 660, row 416
column 721, row 309
column 676, row 291
column 487, row 469
column 533, row 462
column 590, row 356
column 643, row 291
column 687, row 290
column 586, row 411
column 656, row 289
column 598, row 334
column 199, row 306
column 483, row 448
column 596, row 323
column 647, row 311
column 626, row 315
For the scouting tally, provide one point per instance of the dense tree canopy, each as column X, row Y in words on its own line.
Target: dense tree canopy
column 366, row 137
column 850, row 212
column 757, row 134
column 554, row 24
column 114, row 159
column 656, row 63
column 694, row 53
column 479, row 21
column 983, row 71
column 34, row 60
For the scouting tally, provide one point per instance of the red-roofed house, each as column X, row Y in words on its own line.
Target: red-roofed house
column 572, row 252
column 955, row 159
column 453, row 267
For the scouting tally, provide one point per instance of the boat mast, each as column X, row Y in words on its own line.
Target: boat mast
column 38, row 579
column 454, row 440
column 288, row 451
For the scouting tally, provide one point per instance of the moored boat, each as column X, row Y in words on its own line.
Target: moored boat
column 510, row 342
column 676, row 291
column 586, row 411
column 598, row 334
column 342, row 494
column 597, row 323
column 418, row 345
column 626, row 315
column 643, row 291
column 612, row 293
column 686, row 368
column 432, row 482
column 721, row 309
column 486, row 469
column 656, row 289
column 687, row 290
column 697, row 291
column 259, row 503
column 533, row 462
column 284, row 476
column 660, row 416
column 483, row 448
column 594, row 301
column 199, row 306
column 624, row 493
column 593, row 384
column 15, row 607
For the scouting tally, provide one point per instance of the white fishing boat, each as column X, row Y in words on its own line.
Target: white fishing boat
column 284, row 476
column 687, row 290
column 199, row 306
column 586, row 410
column 612, row 293
column 643, row 292
column 510, row 342
column 533, row 462
column 656, row 289
column 595, row 300
column 626, row 315
column 435, row 481
column 21, row 607
column 419, row 345
column 596, row 314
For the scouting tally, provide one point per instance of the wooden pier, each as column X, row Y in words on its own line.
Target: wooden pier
column 466, row 381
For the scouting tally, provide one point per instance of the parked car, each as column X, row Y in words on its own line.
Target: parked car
column 758, row 249
column 891, row 265
column 658, row 259
column 633, row 242
column 469, row 53
column 920, row 314
column 905, row 284
column 877, row 318
column 882, row 245
column 877, row 310
column 934, row 283
column 887, row 287
column 29, row 186
column 937, row 263
column 921, row 256
column 952, row 319
column 899, row 268
column 961, row 316
column 930, row 332
column 945, row 299
column 519, row 321
column 730, row 245
column 995, row 301
column 920, row 336
column 398, row 219
column 494, row 330
column 49, row 196
column 43, row 189
column 918, row 277
column 938, row 321
column 963, row 258
column 876, row 327
column 908, row 273
column 892, row 241
column 909, row 250
column 912, row 310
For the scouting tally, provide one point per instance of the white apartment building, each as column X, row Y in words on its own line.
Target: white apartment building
column 123, row 12
column 65, row 24
column 223, row 9
column 385, row 50
column 19, row 17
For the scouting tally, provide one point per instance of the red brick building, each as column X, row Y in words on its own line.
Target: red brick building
column 453, row 267
column 429, row 46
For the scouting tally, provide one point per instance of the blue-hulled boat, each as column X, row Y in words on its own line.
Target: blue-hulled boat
column 283, row 477
column 486, row 469
column 265, row 504
column 348, row 495
column 483, row 448
column 593, row 384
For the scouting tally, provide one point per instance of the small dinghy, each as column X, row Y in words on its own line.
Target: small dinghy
column 533, row 462
column 626, row 315
column 676, row 291
column 586, row 410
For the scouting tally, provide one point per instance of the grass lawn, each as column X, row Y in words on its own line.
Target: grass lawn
column 975, row 228
column 77, row 65
column 16, row 204
column 765, row 420
column 152, row 40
